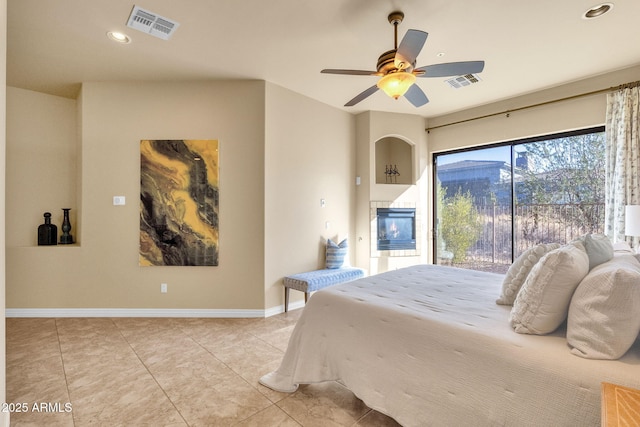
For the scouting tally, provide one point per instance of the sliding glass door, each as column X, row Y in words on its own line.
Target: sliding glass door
column 473, row 208
column 493, row 203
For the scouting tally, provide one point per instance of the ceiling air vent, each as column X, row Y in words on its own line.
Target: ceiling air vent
column 151, row 23
column 462, row 81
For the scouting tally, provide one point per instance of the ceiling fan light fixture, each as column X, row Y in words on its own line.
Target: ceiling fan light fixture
column 396, row 84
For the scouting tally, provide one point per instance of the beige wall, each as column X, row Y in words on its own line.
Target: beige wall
column 394, row 153
column 280, row 154
column 4, row 416
column 102, row 270
column 81, row 153
column 309, row 156
column 41, row 162
column 577, row 113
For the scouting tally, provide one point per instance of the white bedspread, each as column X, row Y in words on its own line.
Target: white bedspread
column 428, row 346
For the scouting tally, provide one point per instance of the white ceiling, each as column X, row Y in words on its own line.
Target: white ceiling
column 54, row 45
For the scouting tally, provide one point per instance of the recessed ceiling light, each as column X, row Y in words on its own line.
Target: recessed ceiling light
column 118, row 37
column 597, row 11
column 440, row 54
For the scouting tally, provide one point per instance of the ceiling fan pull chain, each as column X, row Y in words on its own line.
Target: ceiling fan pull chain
column 395, row 35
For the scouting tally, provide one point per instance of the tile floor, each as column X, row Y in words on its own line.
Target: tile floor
column 164, row 372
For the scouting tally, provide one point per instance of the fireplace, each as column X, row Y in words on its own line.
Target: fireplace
column 396, row 229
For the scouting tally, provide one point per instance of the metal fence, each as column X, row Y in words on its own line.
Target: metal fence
column 532, row 224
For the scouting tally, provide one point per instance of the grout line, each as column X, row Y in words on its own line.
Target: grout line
column 240, row 329
column 115, row 325
column 64, row 369
column 363, row 417
column 279, row 408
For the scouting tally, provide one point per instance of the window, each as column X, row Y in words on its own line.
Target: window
column 493, row 203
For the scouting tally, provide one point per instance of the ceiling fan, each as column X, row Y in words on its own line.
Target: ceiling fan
column 397, row 71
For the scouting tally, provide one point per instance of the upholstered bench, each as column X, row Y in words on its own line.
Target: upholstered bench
column 314, row 280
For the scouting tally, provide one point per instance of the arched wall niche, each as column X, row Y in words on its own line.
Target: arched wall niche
column 394, row 161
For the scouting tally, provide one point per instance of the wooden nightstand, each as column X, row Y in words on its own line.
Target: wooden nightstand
column 620, row 406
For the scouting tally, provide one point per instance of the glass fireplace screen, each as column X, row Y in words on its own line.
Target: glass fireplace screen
column 396, row 228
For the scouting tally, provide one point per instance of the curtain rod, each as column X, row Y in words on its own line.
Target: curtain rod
column 568, row 98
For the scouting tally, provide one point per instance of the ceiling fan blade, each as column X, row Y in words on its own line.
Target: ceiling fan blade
column 349, row 72
column 416, row 96
column 362, row 95
column 409, row 48
column 450, row 69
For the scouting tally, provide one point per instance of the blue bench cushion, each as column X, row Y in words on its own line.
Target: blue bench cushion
column 314, row 280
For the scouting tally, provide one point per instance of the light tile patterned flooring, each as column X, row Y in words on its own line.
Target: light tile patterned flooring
column 164, row 372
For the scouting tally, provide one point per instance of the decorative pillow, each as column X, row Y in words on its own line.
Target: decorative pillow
column 336, row 253
column 543, row 302
column 519, row 270
column 599, row 249
column 604, row 314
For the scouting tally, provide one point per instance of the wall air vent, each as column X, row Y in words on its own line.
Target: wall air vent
column 151, row 23
column 462, row 81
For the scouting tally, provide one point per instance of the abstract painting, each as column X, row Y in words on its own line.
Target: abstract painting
column 179, row 197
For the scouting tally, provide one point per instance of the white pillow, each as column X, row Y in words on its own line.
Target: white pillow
column 543, row 302
column 604, row 314
column 519, row 270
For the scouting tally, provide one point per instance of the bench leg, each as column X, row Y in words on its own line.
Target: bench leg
column 306, row 297
column 286, row 299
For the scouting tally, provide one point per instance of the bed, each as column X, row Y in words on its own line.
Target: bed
column 429, row 346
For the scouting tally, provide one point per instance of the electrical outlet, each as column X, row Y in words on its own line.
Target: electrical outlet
column 163, row 288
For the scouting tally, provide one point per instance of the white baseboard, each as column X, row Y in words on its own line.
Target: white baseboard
column 147, row 312
column 280, row 309
column 132, row 312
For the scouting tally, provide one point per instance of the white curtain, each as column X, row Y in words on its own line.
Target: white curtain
column 623, row 159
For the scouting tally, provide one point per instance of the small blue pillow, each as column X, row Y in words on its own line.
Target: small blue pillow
column 599, row 248
column 336, row 253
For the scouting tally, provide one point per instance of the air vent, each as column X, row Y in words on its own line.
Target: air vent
column 151, row 23
column 462, row 81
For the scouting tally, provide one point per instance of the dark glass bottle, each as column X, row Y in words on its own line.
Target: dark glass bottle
column 66, row 238
column 47, row 232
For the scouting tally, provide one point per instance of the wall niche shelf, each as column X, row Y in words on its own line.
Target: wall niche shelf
column 394, row 161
